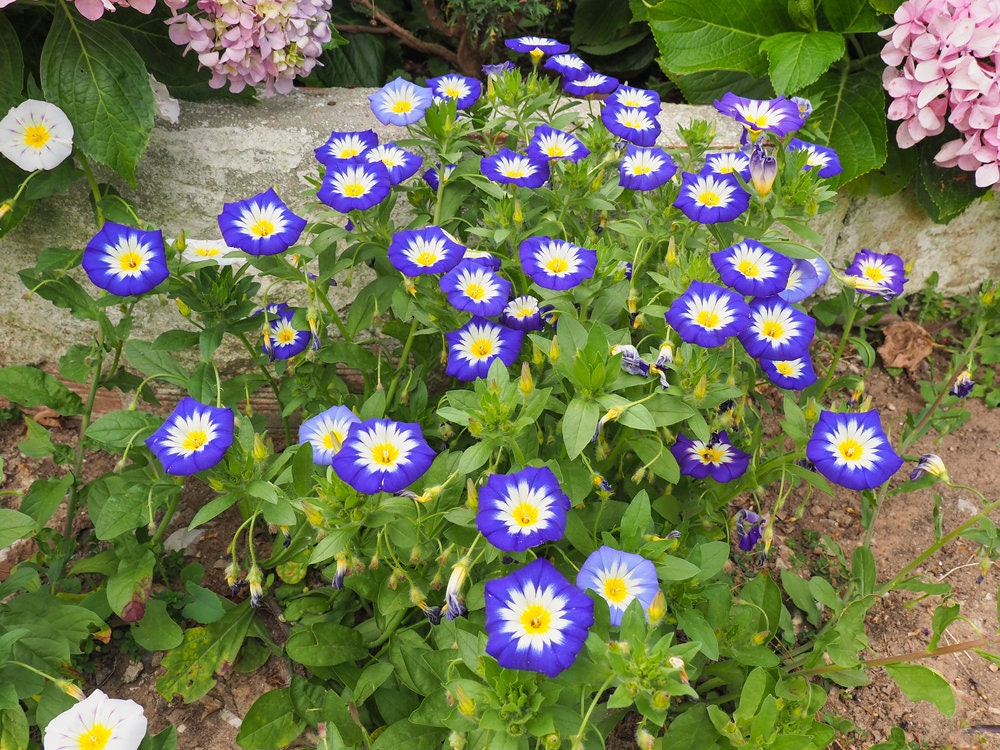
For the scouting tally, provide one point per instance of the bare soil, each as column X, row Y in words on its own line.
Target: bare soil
column 896, row 625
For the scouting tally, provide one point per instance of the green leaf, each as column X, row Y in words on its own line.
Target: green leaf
column 44, row 497
column 798, row 591
column 635, row 520
column 204, row 651
column 156, row 631
column 412, row 736
column 14, row 525
column 325, row 644
column 920, row 683
column 695, row 36
column 360, row 63
column 12, row 64
column 129, row 587
column 863, row 570
column 579, row 424
column 853, row 116
column 885, row 6
column 116, row 430
column 101, row 83
column 117, row 505
column 370, row 680
column 944, row 615
column 944, row 193
column 154, row 363
column 851, row 16
column 205, row 605
column 13, row 729
column 796, row 58
column 29, row 386
column 271, row 722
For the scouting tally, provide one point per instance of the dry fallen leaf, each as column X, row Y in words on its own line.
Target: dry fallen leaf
column 907, row 344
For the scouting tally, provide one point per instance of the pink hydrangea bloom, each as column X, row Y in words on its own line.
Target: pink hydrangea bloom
column 254, row 42
column 942, row 57
column 94, row 9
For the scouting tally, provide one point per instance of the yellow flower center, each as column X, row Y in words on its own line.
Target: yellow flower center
column 354, row 190
column 36, row 136
column 749, row 269
column 709, row 198
column 557, row 265
column 475, row 291
column 785, row 368
column 874, row 273
column 332, row 440
column 207, row 252
column 708, row 319
column 452, row 92
column 515, row 172
column 263, row 228
column 851, row 450
column 525, row 515
column 536, row 619
column 556, row 151
column 711, row 455
column 130, row 261
column 426, row 258
column 642, row 169
column 285, row 336
column 615, row 590
column 192, row 442
column 95, row 738
column 348, row 151
column 402, row 106
column 481, row 348
column 385, row 454
column 773, row 329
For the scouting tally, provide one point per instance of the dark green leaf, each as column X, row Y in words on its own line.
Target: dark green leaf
column 116, row 430
column 325, row 644
column 944, row 193
column 205, row 605
column 851, row 16
column 12, row 65
column 579, row 425
column 154, row 363
column 944, row 615
column 101, row 83
column 271, row 723
column 796, row 58
column 13, row 729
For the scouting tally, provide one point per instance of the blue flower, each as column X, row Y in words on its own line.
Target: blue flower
column 464, row 90
column 523, row 314
column 498, row 69
column 536, row 620
column 326, row 432
column 474, row 346
column 416, row 252
column 124, row 260
column 711, row 198
column 930, row 463
column 748, row 527
column 594, row 83
column 778, row 116
column 777, row 330
column 752, row 268
column 282, row 340
column 632, row 97
column 400, row 163
column 707, row 314
column 718, row 458
column 852, row 450
column 570, row 66
column 556, row 264
column 632, row 124
column 963, row 384
column 728, row 162
column 763, row 171
column 400, row 102
column 536, row 44
column 484, row 258
column 619, row 578
column 261, row 225
column 381, row 455
column 507, row 166
column 431, row 175
column 823, row 158
column 522, row 510
column 807, row 275
column 877, row 274
column 194, row 437
column 474, row 288
column 347, row 145
column 793, row 374
column 632, row 362
column 549, row 143
column 645, row 168
column 350, row 186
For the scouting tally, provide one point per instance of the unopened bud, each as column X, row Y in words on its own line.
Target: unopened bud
column 472, row 495
column 182, row 308
column 661, row 699
column 671, row 257
column 554, row 349
column 526, row 384
column 657, row 608
column 701, row 390
column 259, row 449
column 644, row 739
column 71, row 689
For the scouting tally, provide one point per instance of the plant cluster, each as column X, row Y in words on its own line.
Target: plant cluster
column 583, row 385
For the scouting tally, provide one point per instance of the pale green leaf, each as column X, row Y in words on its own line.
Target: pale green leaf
column 14, row 525
column 579, row 425
column 116, row 430
column 100, row 82
column 796, row 58
column 920, row 683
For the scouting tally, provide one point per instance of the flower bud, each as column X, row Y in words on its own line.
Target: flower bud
column 341, row 572
column 644, row 739
column 71, row 690
column 526, row 384
column 466, row 705
column 259, row 449
column 554, row 350
column 182, row 308
column 763, row 170
column 657, row 608
column 456, row 741
column 255, row 578
column 661, row 699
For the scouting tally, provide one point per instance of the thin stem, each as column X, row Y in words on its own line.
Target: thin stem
column 168, row 514
column 578, row 737
column 911, row 655
column 852, row 314
column 403, row 358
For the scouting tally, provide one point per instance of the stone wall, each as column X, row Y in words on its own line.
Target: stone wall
column 226, row 151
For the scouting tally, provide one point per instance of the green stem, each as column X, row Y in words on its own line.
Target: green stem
column 852, row 314
column 403, row 358
column 271, row 381
column 911, row 655
column 168, row 514
column 390, row 628
column 578, row 737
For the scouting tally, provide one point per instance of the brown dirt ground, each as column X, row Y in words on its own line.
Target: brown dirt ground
column 904, row 527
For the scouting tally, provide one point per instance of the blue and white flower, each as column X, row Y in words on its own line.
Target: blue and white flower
column 474, row 288
column 822, row 158
column 593, row 83
column 711, row 198
column 777, row 330
column 354, row 186
column 540, row 45
column 718, row 458
column 326, row 432
column 852, row 450
column 619, row 578
column 791, row 374
column 464, row 90
column 400, row 102
column 523, row 314
column 728, row 162
column 549, row 143
column 400, row 163
column 282, row 340
column 752, row 268
column 474, row 347
column 416, row 252
column 342, row 146
column 632, row 124
column 522, row 510
column 570, row 66
column 807, row 275
column 193, row 438
column 124, row 260
column 877, row 274
column 778, row 116
column 707, row 314
column 645, row 168
column 556, row 264
column 216, row 251
column 382, row 455
column 509, row 167
column 261, row 225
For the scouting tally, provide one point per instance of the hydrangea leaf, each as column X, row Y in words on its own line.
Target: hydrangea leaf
column 100, row 82
column 796, row 58
column 851, row 16
column 943, row 193
column 853, row 115
column 694, row 35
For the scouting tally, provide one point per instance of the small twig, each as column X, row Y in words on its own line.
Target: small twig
column 348, row 28
column 407, row 38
